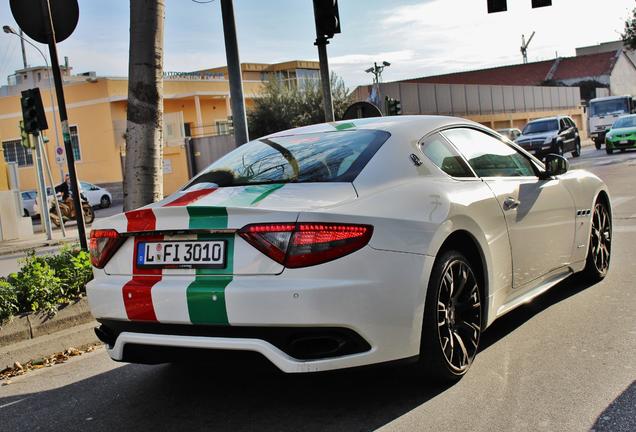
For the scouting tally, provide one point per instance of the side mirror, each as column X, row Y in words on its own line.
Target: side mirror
column 555, row 165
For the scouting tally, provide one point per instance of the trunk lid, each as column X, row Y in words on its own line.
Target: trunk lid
column 208, row 213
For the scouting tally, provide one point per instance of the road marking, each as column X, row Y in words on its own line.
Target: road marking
column 12, row 403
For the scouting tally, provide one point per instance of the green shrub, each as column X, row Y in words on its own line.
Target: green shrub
column 45, row 281
column 37, row 286
column 73, row 267
column 8, row 300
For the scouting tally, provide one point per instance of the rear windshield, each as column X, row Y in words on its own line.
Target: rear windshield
column 625, row 122
column 337, row 156
column 541, row 126
column 612, row 106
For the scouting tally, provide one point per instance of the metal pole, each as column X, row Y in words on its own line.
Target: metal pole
column 51, row 88
column 239, row 116
column 44, row 201
column 325, row 81
column 57, row 204
column 66, row 135
column 24, row 60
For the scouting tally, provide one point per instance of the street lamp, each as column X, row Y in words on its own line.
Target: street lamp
column 7, row 29
column 376, row 70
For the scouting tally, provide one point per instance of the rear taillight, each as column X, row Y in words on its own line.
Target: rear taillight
column 306, row 244
column 103, row 244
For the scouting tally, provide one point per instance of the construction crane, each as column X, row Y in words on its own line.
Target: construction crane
column 524, row 46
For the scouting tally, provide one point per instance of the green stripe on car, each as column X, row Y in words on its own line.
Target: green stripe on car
column 206, row 294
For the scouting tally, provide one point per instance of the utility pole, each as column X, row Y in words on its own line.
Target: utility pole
column 239, row 116
column 24, row 60
column 325, row 81
column 44, row 197
column 66, row 134
column 327, row 20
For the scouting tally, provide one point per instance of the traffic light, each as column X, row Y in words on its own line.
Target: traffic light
column 24, row 137
column 393, row 106
column 327, row 18
column 33, row 111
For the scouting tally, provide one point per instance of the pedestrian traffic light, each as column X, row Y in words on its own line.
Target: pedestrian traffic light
column 393, row 106
column 327, row 18
column 24, row 137
column 497, row 6
column 33, row 111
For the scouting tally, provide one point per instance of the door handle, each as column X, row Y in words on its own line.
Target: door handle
column 511, row 203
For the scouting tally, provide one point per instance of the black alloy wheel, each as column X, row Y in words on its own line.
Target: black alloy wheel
column 599, row 252
column 452, row 320
column 597, row 144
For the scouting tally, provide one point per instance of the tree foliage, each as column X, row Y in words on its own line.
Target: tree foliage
column 629, row 35
column 284, row 105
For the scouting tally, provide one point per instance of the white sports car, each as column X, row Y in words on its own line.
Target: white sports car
column 347, row 244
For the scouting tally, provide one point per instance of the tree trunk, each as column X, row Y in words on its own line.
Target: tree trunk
column 143, row 173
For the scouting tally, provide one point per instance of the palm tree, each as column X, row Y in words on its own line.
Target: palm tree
column 143, row 175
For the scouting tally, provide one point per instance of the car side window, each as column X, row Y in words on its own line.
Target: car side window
column 563, row 124
column 571, row 122
column 442, row 154
column 488, row 156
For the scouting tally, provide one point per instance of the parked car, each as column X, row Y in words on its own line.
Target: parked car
column 97, row 196
column 344, row 244
column 622, row 135
column 29, row 202
column 558, row 135
column 510, row 133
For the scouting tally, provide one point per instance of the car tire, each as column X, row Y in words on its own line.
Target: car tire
column 104, row 201
column 600, row 244
column 25, row 213
column 577, row 149
column 609, row 150
column 623, row 150
column 452, row 322
column 597, row 144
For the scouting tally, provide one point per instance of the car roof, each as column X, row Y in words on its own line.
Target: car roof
column 548, row 118
column 417, row 124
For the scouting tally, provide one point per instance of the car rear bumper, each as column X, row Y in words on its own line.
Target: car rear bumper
column 364, row 308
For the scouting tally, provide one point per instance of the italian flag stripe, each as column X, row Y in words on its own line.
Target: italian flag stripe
column 206, row 294
column 190, row 197
column 137, row 292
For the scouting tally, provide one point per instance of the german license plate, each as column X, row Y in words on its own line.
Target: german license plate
column 182, row 254
column 624, row 142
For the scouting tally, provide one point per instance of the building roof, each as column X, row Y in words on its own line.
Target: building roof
column 534, row 73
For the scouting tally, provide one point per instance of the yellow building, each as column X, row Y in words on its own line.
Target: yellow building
column 196, row 105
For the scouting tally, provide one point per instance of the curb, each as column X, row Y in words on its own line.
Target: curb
column 35, row 335
column 35, row 245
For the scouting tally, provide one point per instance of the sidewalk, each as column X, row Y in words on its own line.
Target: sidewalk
column 38, row 240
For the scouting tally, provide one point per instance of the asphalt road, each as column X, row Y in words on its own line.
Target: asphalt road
column 565, row 362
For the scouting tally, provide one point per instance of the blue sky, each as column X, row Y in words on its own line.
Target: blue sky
column 419, row 38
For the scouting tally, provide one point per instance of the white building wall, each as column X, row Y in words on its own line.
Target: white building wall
column 623, row 78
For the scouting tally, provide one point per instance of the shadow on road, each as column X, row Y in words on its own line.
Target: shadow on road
column 235, row 398
column 515, row 319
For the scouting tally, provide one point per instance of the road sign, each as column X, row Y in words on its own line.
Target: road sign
column 29, row 14
column 60, row 159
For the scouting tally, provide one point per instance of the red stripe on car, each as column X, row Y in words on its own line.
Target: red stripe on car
column 137, row 292
column 141, row 220
column 190, row 197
